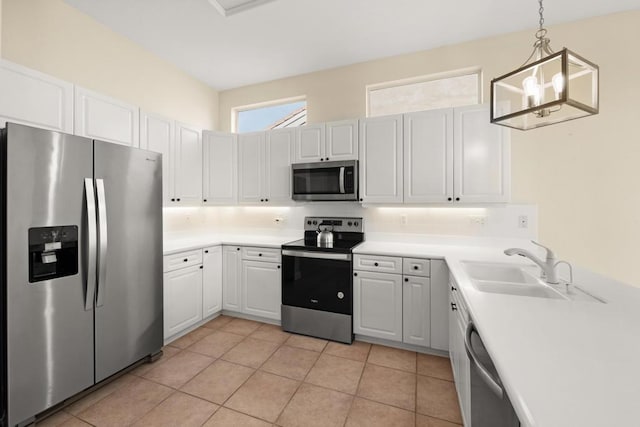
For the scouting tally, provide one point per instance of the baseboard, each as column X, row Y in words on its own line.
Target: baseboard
column 251, row 317
column 402, row 346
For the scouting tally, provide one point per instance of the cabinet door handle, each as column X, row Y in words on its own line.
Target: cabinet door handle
column 453, row 288
column 205, row 200
column 355, row 274
column 415, row 267
column 173, row 200
column 454, row 306
column 237, row 249
column 186, row 259
column 259, row 254
column 406, row 279
column 375, row 264
column 457, row 199
column 278, row 267
column 266, row 200
column 449, row 199
column 206, row 252
column 201, row 267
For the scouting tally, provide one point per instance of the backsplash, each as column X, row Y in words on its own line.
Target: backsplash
column 491, row 221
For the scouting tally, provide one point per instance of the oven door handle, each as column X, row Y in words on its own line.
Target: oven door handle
column 319, row 255
column 342, row 190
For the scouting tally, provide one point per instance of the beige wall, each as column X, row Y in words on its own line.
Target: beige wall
column 52, row 37
column 584, row 175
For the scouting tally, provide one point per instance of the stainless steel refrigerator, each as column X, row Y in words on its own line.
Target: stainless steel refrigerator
column 80, row 265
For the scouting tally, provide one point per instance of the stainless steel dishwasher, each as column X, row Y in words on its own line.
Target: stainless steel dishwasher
column 490, row 405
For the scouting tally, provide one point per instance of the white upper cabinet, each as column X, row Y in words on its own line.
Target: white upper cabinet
column 428, row 156
column 482, row 157
column 220, row 179
column 265, row 166
column 278, row 158
column 250, row 167
column 99, row 117
column 310, row 143
column 157, row 134
column 35, row 99
column 327, row 141
column 188, row 165
column 342, row 140
column 381, row 149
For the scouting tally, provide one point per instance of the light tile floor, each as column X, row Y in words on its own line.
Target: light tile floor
column 236, row 372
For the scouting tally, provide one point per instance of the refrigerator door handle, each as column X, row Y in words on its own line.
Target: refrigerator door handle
column 102, row 250
column 90, row 200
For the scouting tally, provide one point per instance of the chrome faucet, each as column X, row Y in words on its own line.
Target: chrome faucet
column 548, row 266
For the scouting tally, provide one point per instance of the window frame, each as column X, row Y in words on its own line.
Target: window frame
column 235, row 111
column 425, row 78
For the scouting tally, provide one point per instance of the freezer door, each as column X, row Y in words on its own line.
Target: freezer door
column 49, row 332
column 128, row 312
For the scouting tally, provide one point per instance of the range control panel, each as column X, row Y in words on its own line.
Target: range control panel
column 312, row 223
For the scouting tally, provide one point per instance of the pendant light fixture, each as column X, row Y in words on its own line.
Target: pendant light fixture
column 550, row 87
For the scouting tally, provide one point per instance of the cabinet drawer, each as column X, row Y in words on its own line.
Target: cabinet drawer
column 381, row 264
column 182, row 260
column 416, row 267
column 261, row 254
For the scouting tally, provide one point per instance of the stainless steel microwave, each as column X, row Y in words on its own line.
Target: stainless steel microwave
column 325, row 181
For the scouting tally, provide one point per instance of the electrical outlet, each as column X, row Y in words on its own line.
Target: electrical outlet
column 403, row 219
column 278, row 220
column 523, row 221
column 478, row 220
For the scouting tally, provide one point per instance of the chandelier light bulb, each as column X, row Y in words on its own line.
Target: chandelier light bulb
column 558, row 84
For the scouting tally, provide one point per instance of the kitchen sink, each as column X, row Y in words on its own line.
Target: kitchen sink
column 495, row 272
column 509, row 279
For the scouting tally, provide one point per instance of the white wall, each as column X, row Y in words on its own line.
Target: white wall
column 583, row 175
column 52, row 37
column 498, row 221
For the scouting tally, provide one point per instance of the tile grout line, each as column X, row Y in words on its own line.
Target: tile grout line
column 364, row 365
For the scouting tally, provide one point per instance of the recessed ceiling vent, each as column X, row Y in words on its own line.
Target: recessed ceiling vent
column 232, row 7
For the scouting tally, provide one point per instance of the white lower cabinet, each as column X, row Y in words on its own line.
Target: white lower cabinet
column 416, row 313
column 410, row 307
column 192, row 288
column 377, row 305
column 211, row 281
column 231, row 278
column 261, row 289
column 458, row 355
column 182, row 299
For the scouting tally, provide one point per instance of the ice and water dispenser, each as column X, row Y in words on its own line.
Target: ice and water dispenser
column 53, row 252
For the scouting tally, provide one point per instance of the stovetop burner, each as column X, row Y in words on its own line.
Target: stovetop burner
column 347, row 234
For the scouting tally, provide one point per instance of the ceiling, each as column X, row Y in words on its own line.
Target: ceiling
column 283, row 38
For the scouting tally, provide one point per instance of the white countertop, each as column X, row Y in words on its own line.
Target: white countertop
column 179, row 242
column 563, row 363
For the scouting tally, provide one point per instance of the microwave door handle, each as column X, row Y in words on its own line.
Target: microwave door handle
column 342, row 190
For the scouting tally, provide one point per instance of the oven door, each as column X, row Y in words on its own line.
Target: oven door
column 325, row 181
column 317, row 280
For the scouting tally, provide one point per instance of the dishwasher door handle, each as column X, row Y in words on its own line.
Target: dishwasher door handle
column 494, row 383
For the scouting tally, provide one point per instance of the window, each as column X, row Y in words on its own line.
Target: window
column 272, row 115
column 424, row 93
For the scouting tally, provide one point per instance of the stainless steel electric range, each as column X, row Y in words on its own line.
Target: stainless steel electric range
column 317, row 280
